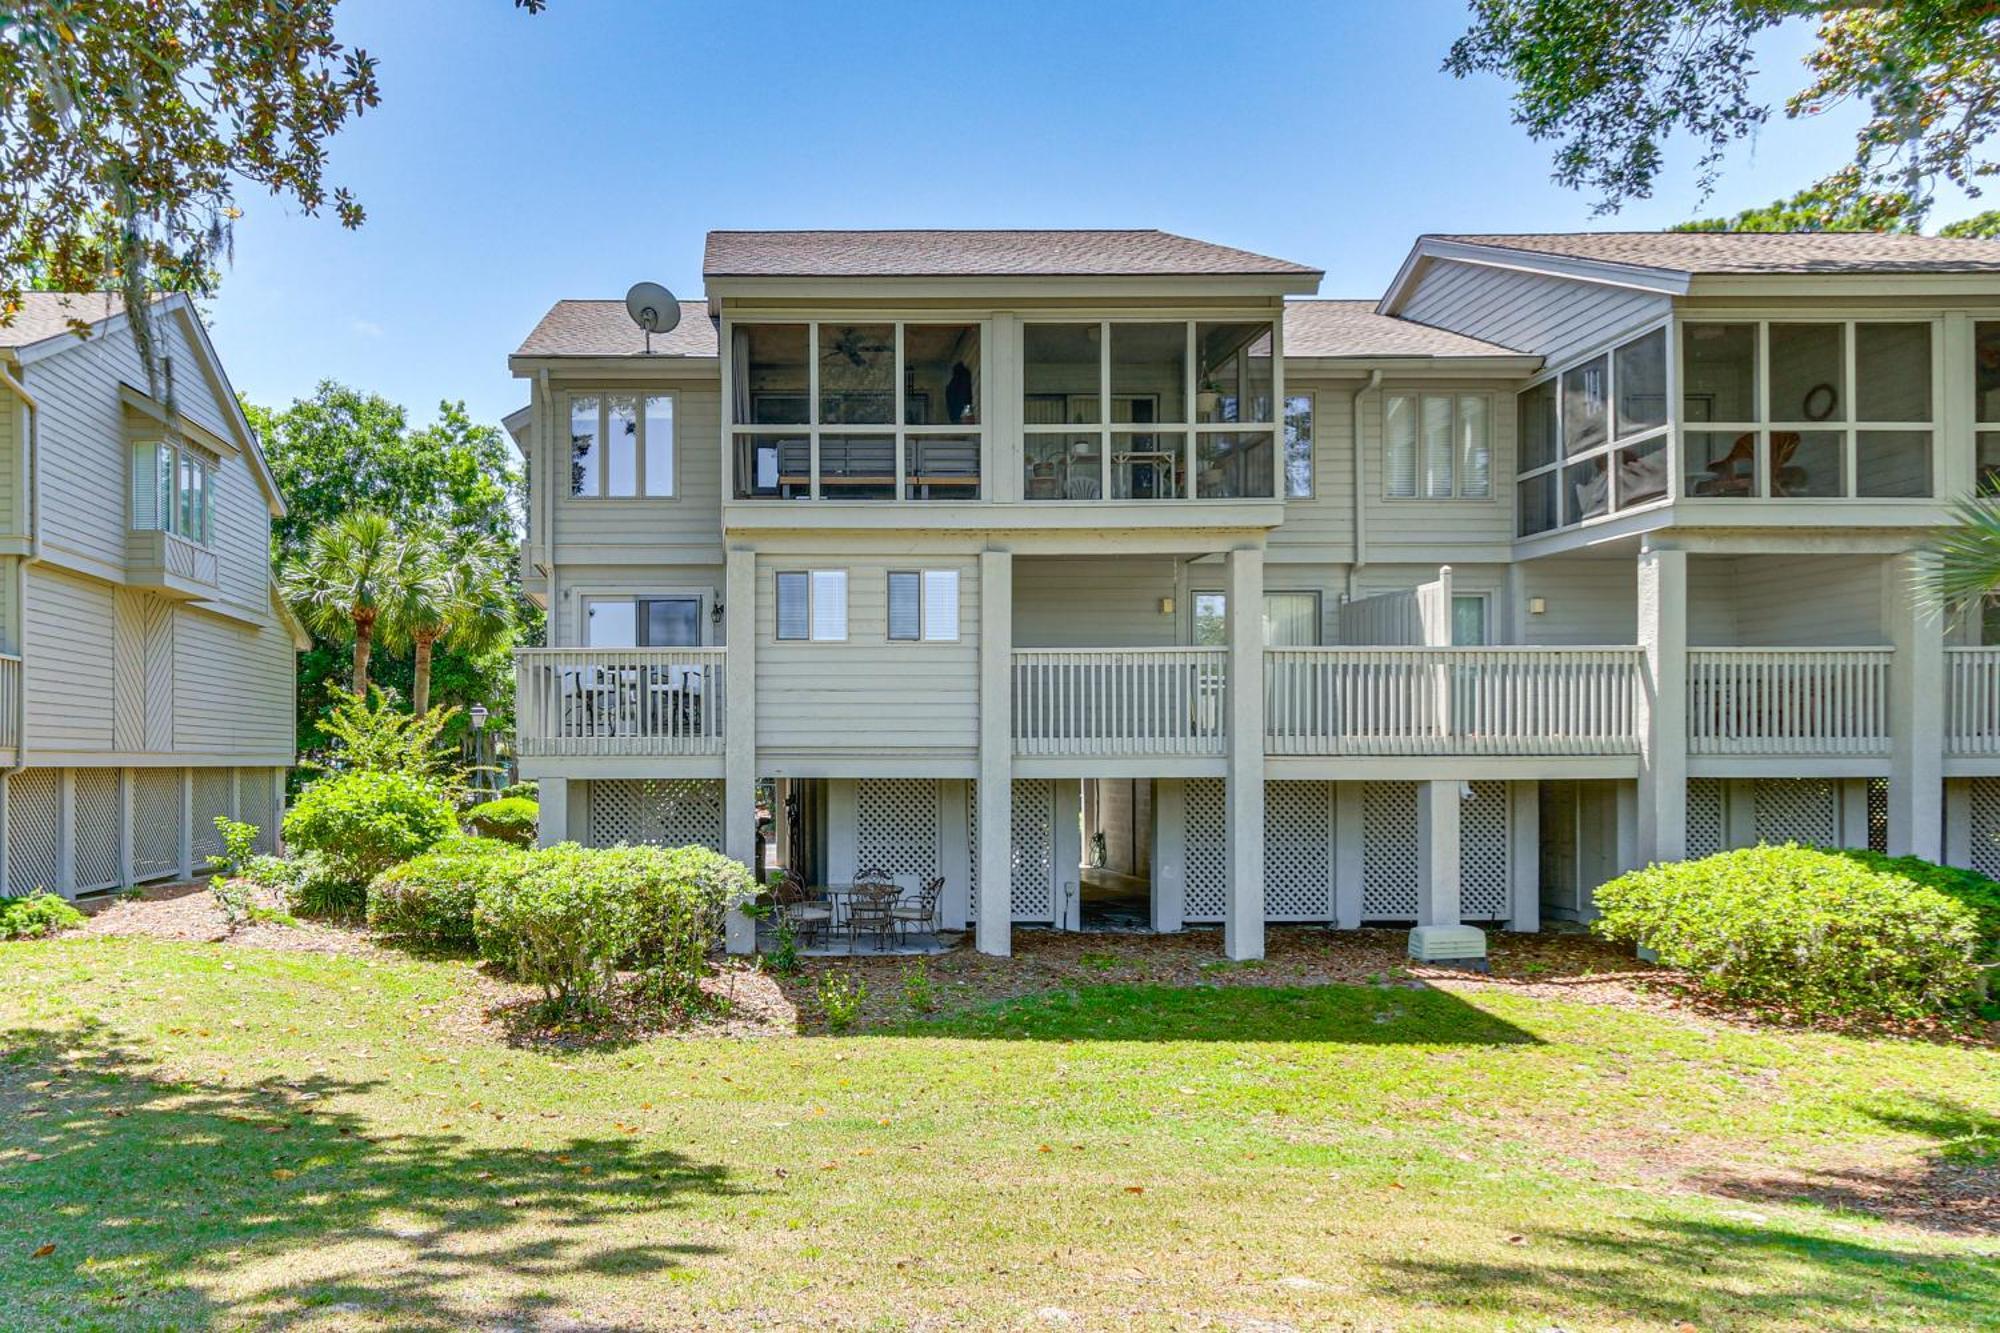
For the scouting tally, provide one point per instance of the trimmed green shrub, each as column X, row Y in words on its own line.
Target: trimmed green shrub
column 36, row 916
column 684, row 895
column 564, row 924
column 359, row 824
column 1969, row 888
column 429, row 899
column 509, row 818
column 1818, row 932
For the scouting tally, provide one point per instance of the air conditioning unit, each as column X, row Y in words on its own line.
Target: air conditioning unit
column 1463, row 945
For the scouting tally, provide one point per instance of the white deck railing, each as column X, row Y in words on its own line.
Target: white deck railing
column 1119, row 701
column 1427, row 701
column 618, row 701
column 1972, row 702
column 1788, row 701
column 10, row 700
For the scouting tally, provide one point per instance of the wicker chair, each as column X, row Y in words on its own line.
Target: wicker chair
column 923, row 913
column 809, row 917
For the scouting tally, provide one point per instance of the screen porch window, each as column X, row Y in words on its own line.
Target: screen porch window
column 1986, row 406
column 1148, row 410
column 174, row 489
column 1808, row 409
column 856, row 411
column 1437, row 446
column 923, row 605
column 812, row 605
column 621, row 446
column 1593, row 437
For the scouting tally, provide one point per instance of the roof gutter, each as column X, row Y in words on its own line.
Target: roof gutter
column 31, row 465
column 1360, row 489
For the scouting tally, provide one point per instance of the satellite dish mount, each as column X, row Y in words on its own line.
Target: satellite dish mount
column 654, row 309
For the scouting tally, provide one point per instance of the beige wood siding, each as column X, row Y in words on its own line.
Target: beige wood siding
column 1093, row 602
column 577, row 584
column 1530, row 312
column 1803, row 601
column 71, row 654
column 687, row 527
column 232, row 686
column 868, row 695
column 1322, row 527
column 1590, row 602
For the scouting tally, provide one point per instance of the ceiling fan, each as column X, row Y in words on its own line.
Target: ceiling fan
column 857, row 348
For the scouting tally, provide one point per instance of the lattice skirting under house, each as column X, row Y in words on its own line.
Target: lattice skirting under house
column 668, row 812
column 1819, row 812
column 82, row 830
column 1983, row 818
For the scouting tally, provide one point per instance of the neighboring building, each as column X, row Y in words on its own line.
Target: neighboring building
column 1099, row 569
column 147, row 663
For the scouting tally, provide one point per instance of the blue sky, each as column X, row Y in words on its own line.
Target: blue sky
column 516, row 160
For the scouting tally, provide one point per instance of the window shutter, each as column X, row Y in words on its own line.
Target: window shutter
column 829, row 604
column 1475, row 447
column 941, row 604
column 1437, row 446
column 903, row 606
column 1399, row 436
column 793, row 622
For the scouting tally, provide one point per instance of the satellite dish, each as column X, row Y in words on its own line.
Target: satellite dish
column 653, row 308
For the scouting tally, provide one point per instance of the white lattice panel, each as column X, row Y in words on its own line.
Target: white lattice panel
column 213, row 790
column 1706, row 827
column 99, row 816
column 1985, row 828
column 1801, row 810
column 1389, row 851
column 896, row 825
column 1878, row 814
column 1298, row 866
column 1482, row 854
column 972, row 843
column 257, row 804
column 31, row 831
column 156, row 822
column 1033, row 854
column 667, row 812
column 1207, row 819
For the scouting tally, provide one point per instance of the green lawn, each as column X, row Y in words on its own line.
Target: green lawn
column 222, row 1137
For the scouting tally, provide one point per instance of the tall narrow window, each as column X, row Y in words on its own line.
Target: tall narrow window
column 794, row 606
column 659, row 435
column 584, row 462
column 1399, row 440
column 1299, row 447
column 829, row 604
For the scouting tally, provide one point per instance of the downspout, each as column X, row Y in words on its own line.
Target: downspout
column 31, row 462
column 1360, row 491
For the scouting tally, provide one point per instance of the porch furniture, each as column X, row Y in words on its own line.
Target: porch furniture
column 871, row 911
column 1735, row 473
column 808, row 915
column 923, row 913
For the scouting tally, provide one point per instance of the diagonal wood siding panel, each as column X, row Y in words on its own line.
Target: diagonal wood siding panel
column 159, row 653
column 128, row 670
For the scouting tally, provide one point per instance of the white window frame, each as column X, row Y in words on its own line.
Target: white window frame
column 1459, row 495
column 813, row 428
column 1846, row 424
column 1318, row 612
column 703, row 598
column 923, row 578
column 1609, row 448
column 1189, row 430
column 1311, row 400
column 601, row 452
column 170, row 458
column 816, row 579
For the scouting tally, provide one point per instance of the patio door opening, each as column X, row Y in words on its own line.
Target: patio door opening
column 1115, row 879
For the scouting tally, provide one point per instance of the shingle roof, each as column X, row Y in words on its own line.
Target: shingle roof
column 1007, row 254
column 602, row 328
column 43, row 315
column 1759, row 252
column 1352, row 328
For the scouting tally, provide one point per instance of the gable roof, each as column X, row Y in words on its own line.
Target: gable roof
column 1332, row 328
column 1740, row 252
column 46, row 315
column 602, row 328
column 981, row 253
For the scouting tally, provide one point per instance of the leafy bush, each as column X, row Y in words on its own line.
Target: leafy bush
column 429, row 900
column 372, row 735
column 319, row 888
column 509, row 818
column 1968, row 888
column 35, row 916
column 1818, row 932
column 564, row 923
column 239, row 844
column 840, row 999
column 684, row 895
column 359, row 824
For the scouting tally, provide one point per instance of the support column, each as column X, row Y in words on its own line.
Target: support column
column 1662, row 713
column 126, row 781
column 739, row 729
column 1524, row 855
column 186, row 850
column 1958, row 823
column 1243, row 917
column 1437, row 852
column 552, row 823
column 1169, row 854
column 66, row 832
column 1347, row 855
column 954, row 854
column 995, row 928
column 1068, row 838
column 1916, row 710
column 1853, row 798
column 843, row 850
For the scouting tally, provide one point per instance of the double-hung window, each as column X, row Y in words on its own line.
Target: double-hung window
column 1593, row 437
column 621, row 446
column 812, row 604
column 923, row 605
column 1437, row 446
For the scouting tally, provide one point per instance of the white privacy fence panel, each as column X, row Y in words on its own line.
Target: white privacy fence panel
column 1972, row 702
column 1120, row 701
column 1788, row 701
column 666, row 812
column 1385, row 618
column 1205, row 810
column 618, row 701
column 896, row 825
column 1389, row 701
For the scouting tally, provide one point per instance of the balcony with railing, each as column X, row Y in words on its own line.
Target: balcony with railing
column 1451, row 701
column 618, row 702
column 1119, row 702
column 1788, row 702
column 1972, row 703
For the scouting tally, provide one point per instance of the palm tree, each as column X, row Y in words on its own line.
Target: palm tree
column 354, row 572
column 458, row 597
column 1965, row 570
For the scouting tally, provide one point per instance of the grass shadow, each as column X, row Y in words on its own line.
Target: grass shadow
column 196, row 1204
